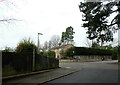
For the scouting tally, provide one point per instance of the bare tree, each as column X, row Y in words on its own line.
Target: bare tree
column 55, row 40
column 5, row 18
column 88, row 42
column 45, row 46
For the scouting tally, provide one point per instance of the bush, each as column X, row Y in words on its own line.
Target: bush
column 91, row 51
column 7, row 49
column 114, row 53
column 69, row 52
column 26, row 46
column 49, row 54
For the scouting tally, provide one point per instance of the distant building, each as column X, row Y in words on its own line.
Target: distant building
column 61, row 49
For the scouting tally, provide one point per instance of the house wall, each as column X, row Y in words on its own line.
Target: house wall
column 60, row 49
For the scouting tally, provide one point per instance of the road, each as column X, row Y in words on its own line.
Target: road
column 90, row 72
column 78, row 72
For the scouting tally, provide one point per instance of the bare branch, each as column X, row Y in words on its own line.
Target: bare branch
column 9, row 20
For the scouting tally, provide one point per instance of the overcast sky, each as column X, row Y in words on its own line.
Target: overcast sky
column 50, row 17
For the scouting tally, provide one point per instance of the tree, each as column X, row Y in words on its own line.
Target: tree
column 26, row 45
column 4, row 19
column 95, row 45
column 67, row 37
column 96, row 18
column 70, row 52
column 88, row 42
column 55, row 40
column 50, row 45
column 91, row 43
column 45, row 46
column 8, row 49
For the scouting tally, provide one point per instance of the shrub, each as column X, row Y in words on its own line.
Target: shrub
column 8, row 49
column 91, row 51
column 50, row 54
column 114, row 53
column 69, row 52
column 26, row 46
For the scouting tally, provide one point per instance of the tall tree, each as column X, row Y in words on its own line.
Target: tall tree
column 45, row 46
column 55, row 40
column 96, row 17
column 88, row 42
column 67, row 37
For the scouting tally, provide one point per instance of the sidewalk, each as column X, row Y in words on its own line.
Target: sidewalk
column 43, row 77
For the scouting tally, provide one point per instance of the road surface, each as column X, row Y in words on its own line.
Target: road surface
column 90, row 72
column 82, row 72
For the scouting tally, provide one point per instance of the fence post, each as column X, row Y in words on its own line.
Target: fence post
column 33, row 65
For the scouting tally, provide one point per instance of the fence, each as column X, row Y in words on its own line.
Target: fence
column 14, row 63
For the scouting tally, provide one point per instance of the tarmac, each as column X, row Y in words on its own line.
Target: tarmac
column 39, row 77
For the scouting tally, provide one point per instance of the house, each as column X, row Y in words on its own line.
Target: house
column 61, row 49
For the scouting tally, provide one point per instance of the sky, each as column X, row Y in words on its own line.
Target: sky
column 49, row 17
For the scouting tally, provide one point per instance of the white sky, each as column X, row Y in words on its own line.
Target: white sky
column 50, row 17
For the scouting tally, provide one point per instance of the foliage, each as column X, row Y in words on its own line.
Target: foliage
column 55, row 40
column 91, row 51
column 67, row 37
column 88, row 42
column 7, row 49
column 53, row 43
column 119, row 53
column 25, row 46
column 95, row 45
column 70, row 52
column 45, row 46
column 96, row 18
column 114, row 53
column 49, row 54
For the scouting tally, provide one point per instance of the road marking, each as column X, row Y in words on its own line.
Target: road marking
column 67, row 67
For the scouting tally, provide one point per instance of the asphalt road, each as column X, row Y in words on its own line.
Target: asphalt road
column 90, row 72
column 82, row 72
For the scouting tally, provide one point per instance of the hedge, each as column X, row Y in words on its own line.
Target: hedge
column 91, row 51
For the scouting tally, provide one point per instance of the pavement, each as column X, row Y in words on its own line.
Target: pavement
column 90, row 72
column 40, row 77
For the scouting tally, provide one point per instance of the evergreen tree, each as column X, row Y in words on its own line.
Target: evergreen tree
column 67, row 37
column 96, row 18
